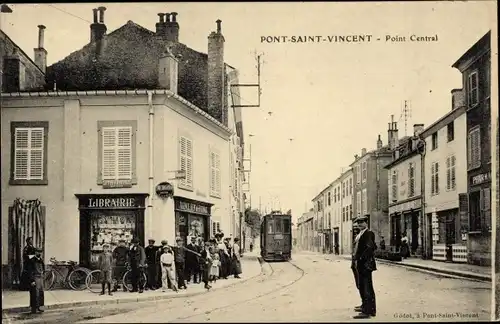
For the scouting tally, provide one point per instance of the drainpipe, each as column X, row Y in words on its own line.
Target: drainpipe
column 151, row 164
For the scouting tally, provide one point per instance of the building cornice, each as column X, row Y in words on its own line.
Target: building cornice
column 168, row 93
column 474, row 53
column 401, row 159
column 443, row 121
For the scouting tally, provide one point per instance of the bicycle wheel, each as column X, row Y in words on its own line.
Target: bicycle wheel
column 127, row 280
column 49, row 278
column 93, row 281
column 77, row 279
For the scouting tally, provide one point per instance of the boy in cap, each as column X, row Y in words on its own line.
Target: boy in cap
column 159, row 281
column 35, row 269
column 151, row 251
column 105, row 264
column 168, row 269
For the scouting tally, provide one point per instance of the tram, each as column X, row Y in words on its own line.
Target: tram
column 276, row 237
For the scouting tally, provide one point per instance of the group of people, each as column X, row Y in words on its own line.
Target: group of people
column 170, row 267
column 363, row 264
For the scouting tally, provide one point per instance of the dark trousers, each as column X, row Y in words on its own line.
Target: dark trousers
column 37, row 298
column 180, row 270
column 152, row 276
column 137, row 278
column 365, row 280
column 192, row 271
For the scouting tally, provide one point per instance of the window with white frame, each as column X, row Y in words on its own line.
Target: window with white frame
column 435, row 178
column 29, row 153
column 350, row 211
column 358, row 174
column 364, row 172
column 473, row 89
column 358, row 203
column 474, row 148
column 215, row 174
column 117, row 153
column 365, row 201
column 394, row 185
column 411, row 180
column 450, row 173
column 186, row 162
column 215, row 227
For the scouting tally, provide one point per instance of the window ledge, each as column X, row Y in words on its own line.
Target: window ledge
column 28, row 182
column 473, row 168
column 212, row 195
column 185, row 188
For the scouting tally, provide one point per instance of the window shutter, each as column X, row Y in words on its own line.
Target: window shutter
column 436, row 178
column 109, row 153
column 218, row 175
column 124, row 153
column 183, row 159
column 469, row 150
column 453, row 179
column 189, row 163
column 212, row 173
column 21, row 158
column 448, row 173
column 433, row 190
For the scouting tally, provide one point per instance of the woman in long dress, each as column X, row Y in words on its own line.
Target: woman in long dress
column 236, row 258
column 223, row 256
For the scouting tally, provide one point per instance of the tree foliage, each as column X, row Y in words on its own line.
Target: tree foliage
column 252, row 218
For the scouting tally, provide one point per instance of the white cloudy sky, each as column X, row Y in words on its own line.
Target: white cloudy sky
column 332, row 99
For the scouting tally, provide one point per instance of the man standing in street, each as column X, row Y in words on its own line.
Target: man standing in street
column 35, row 269
column 192, row 262
column 364, row 258
column 151, row 256
column 180, row 259
column 159, row 280
column 120, row 257
column 28, row 253
column 137, row 258
column 355, row 232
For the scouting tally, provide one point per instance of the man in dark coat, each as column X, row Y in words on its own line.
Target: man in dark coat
column 180, row 259
column 159, row 252
column 28, row 253
column 120, row 257
column 192, row 262
column 151, row 255
column 34, row 275
column 364, row 258
column 137, row 260
column 355, row 232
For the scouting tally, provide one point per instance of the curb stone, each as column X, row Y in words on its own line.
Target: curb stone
column 124, row 300
column 423, row 268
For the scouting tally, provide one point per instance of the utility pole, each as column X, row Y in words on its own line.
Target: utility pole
column 407, row 115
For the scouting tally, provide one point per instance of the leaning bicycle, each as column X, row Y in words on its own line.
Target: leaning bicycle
column 74, row 279
column 94, row 284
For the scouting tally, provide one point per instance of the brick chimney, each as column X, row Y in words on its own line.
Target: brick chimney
column 98, row 28
column 379, row 142
column 172, row 28
column 216, row 76
column 457, row 98
column 168, row 69
column 40, row 52
column 418, row 129
column 392, row 134
column 161, row 26
column 363, row 151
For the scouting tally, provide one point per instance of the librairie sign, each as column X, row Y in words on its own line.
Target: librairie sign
column 111, row 202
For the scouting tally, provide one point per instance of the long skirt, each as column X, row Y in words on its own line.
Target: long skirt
column 223, row 264
column 236, row 266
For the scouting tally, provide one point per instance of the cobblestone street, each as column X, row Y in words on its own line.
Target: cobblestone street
column 309, row 289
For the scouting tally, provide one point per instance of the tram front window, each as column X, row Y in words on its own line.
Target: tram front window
column 270, row 227
column 279, row 226
column 286, row 225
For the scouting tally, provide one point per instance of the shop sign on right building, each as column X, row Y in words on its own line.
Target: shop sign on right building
column 475, row 66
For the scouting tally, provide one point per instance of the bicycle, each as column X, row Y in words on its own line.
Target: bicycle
column 75, row 278
column 93, row 284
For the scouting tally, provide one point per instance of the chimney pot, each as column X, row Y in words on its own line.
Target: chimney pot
column 174, row 16
column 40, row 56
column 101, row 16
column 167, row 17
column 162, row 17
column 168, row 68
column 457, row 98
column 219, row 28
column 363, row 151
column 95, row 15
column 41, row 29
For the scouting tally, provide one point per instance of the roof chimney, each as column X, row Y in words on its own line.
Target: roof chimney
column 168, row 71
column 161, row 25
column 418, row 129
column 172, row 28
column 379, row 142
column 363, row 151
column 457, row 98
column 40, row 52
column 216, row 104
column 98, row 28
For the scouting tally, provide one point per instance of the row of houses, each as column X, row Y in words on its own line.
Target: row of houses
column 133, row 135
column 434, row 187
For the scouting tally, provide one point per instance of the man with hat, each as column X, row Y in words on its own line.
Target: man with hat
column 137, row 259
column 120, row 257
column 35, row 269
column 28, row 253
column 364, row 261
column 192, row 266
column 180, row 259
column 161, row 249
column 151, row 257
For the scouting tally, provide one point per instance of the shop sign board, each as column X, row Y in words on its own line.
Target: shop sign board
column 480, row 178
column 190, row 207
column 128, row 201
column 165, row 190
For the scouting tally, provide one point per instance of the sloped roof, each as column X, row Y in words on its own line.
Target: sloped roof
column 130, row 61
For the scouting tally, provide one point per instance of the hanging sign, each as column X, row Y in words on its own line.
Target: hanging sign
column 165, row 190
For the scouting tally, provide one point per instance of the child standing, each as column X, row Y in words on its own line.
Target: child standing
column 214, row 270
column 105, row 264
column 168, row 269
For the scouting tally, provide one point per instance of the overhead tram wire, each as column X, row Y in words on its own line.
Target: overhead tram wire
column 69, row 13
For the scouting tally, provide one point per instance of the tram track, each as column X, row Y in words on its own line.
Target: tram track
column 253, row 298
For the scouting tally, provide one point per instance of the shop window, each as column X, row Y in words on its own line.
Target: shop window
column 116, row 156
column 186, row 162
column 29, row 153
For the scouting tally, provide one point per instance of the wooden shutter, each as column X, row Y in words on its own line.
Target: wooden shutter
column 433, row 188
column 189, row 163
column 481, row 211
column 448, row 173
column 452, row 173
column 29, row 154
column 212, row 173
column 436, row 178
column 124, row 153
column 183, row 159
column 109, row 153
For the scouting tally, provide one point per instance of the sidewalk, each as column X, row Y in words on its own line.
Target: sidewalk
column 18, row 301
column 462, row 270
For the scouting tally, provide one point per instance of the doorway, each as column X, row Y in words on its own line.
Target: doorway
column 450, row 235
column 336, row 240
column 414, row 232
column 396, row 231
